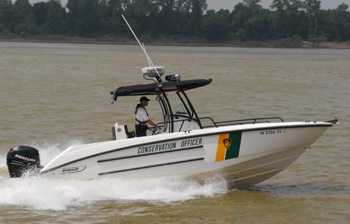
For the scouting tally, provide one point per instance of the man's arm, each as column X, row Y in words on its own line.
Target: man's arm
column 152, row 124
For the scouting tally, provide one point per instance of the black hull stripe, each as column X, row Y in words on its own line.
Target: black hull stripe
column 148, row 154
column 152, row 166
column 184, row 137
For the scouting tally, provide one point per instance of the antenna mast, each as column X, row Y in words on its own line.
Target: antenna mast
column 152, row 68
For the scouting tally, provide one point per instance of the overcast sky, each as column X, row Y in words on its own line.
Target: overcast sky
column 228, row 4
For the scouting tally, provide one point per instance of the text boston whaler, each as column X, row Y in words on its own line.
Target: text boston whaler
column 244, row 152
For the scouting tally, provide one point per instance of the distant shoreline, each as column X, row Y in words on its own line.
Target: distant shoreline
column 187, row 42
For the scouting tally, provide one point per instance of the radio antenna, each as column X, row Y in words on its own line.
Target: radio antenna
column 150, row 63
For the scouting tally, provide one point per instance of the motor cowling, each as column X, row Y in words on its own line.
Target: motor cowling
column 21, row 159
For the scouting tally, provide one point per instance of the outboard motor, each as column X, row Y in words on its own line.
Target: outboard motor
column 21, row 159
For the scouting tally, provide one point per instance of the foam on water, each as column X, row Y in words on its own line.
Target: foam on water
column 36, row 192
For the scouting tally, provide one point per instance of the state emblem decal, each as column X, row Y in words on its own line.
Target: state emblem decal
column 227, row 143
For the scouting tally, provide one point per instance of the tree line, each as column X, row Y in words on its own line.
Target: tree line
column 295, row 20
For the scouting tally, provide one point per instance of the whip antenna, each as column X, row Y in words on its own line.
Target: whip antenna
column 152, row 71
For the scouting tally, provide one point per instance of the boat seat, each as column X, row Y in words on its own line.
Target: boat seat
column 130, row 134
column 121, row 132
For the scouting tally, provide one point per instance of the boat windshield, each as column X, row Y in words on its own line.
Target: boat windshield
column 180, row 109
column 178, row 113
column 179, row 104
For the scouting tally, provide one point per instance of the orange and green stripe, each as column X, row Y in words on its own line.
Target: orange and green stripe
column 233, row 151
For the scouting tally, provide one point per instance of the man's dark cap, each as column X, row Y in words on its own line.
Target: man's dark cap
column 144, row 99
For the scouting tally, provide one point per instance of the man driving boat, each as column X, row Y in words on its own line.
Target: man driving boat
column 142, row 118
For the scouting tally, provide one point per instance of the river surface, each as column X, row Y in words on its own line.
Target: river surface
column 53, row 96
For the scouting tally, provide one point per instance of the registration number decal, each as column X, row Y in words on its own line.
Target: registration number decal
column 273, row 132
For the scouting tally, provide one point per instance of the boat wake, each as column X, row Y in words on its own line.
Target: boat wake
column 56, row 194
column 40, row 193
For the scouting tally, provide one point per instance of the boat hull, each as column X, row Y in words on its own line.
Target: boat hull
column 243, row 154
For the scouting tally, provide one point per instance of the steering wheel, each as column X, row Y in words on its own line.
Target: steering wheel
column 155, row 130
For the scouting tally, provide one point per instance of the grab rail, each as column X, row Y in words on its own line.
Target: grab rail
column 224, row 123
column 247, row 121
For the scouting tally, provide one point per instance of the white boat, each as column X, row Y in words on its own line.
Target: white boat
column 244, row 152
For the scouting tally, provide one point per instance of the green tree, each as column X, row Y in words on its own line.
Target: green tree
column 287, row 19
column 87, row 21
column 249, row 20
column 114, row 23
column 141, row 15
column 313, row 7
column 82, row 17
column 56, row 16
column 7, row 12
column 23, row 20
column 72, row 16
column 215, row 25
column 40, row 13
column 342, row 22
column 195, row 17
column 277, row 19
column 165, row 20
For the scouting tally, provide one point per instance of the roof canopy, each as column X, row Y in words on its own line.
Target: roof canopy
column 154, row 89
